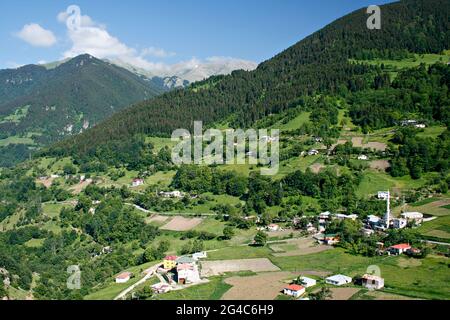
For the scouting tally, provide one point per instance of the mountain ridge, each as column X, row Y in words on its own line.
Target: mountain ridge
column 318, row 63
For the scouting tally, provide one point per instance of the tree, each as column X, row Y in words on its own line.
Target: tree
column 299, row 281
column 228, row 232
column 69, row 169
column 197, row 246
column 323, row 294
column 260, row 238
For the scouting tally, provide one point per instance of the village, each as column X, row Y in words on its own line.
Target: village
column 177, row 273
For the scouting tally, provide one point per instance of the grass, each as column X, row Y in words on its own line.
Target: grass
column 432, row 132
column 394, row 66
column 211, row 225
column 373, row 182
column 438, row 228
column 239, row 252
column 160, row 143
column 53, row 209
column 424, row 202
column 34, row 243
column 16, row 140
column 213, row 290
column 161, row 178
column 17, row 116
column 295, row 123
column 426, row 278
column 111, row 289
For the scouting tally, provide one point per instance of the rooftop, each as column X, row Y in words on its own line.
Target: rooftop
column 171, row 258
column 401, row 246
column 295, row 287
column 124, row 275
column 371, row 277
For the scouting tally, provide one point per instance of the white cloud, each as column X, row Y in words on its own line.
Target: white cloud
column 88, row 36
column 156, row 52
column 36, row 36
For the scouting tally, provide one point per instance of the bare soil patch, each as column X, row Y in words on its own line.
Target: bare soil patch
column 357, row 142
column 214, row 268
column 182, row 224
column 379, row 146
column 343, row 293
column 46, row 182
column 381, row 165
column 266, row 286
column 316, row 167
column 80, row 186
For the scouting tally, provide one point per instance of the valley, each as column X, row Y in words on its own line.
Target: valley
column 360, row 199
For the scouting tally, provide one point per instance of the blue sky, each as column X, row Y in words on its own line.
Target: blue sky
column 164, row 32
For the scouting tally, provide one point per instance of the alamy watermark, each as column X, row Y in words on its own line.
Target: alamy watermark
column 227, row 147
column 374, row 20
column 74, row 280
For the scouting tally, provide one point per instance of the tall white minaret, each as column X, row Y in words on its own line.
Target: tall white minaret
column 387, row 217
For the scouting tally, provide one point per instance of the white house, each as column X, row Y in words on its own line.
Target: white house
column 372, row 282
column 172, row 194
column 160, row 288
column 308, row 282
column 363, row 157
column 399, row 223
column 373, row 220
column 383, row 195
column 294, row 290
column 123, row 277
column 200, row 255
column 273, row 227
column 399, row 248
column 187, row 273
column 338, row 280
column 412, row 216
column 137, row 182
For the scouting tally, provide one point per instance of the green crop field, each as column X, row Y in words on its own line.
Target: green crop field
column 213, row 290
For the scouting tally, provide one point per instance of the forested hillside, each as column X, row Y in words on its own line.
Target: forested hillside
column 321, row 63
column 39, row 106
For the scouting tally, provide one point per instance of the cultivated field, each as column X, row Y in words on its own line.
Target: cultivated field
column 266, row 286
column 298, row 247
column 343, row 293
column 212, row 268
column 179, row 223
column 380, row 165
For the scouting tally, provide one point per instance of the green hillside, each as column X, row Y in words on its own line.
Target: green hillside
column 50, row 104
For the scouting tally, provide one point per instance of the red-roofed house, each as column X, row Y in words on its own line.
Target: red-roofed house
column 399, row 248
column 123, row 277
column 170, row 262
column 294, row 290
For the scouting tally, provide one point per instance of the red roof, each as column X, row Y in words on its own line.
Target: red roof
column 401, row 246
column 171, row 258
column 124, row 275
column 294, row 287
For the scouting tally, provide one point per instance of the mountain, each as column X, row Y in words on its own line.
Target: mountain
column 47, row 103
column 181, row 74
column 321, row 63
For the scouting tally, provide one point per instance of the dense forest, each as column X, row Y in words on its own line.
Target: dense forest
column 318, row 64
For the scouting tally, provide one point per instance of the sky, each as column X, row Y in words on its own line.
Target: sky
column 156, row 34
